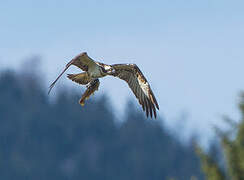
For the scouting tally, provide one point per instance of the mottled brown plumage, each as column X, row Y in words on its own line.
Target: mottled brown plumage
column 81, row 78
column 139, row 85
column 82, row 61
column 127, row 72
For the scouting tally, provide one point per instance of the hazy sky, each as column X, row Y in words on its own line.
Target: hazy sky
column 190, row 51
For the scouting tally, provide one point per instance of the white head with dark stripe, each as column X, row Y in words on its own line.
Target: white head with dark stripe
column 107, row 69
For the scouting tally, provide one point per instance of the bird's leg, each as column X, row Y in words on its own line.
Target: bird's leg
column 91, row 88
column 92, row 83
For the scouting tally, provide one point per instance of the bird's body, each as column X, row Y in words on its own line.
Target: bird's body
column 127, row 72
column 96, row 72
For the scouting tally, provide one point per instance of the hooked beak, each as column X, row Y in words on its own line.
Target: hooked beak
column 112, row 71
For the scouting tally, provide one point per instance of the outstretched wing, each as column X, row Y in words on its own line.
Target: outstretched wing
column 82, row 61
column 139, row 85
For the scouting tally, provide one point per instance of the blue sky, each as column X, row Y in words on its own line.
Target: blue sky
column 190, row 51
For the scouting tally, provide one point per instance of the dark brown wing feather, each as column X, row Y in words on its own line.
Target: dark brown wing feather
column 139, row 85
column 81, row 78
column 82, row 61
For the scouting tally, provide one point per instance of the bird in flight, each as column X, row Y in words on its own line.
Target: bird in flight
column 94, row 70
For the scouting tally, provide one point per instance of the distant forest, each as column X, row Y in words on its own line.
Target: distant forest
column 59, row 140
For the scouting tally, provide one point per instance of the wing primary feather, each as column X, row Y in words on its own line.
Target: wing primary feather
column 137, row 92
column 142, row 100
column 150, row 107
column 154, row 99
column 139, row 99
column 143, row 107
column 52, row 85
column 146, row 104
column 154, row 111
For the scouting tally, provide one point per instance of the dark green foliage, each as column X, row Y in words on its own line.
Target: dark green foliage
column 61, row 140
column 232, row 143
column 210, row 167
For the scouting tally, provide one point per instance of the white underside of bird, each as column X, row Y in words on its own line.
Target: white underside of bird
column 95, row 72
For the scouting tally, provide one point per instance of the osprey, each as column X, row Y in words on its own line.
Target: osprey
column 127, row 72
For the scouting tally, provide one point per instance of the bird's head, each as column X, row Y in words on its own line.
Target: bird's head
column 108, row 69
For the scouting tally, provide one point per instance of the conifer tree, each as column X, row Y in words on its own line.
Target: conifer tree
column 232, row 144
